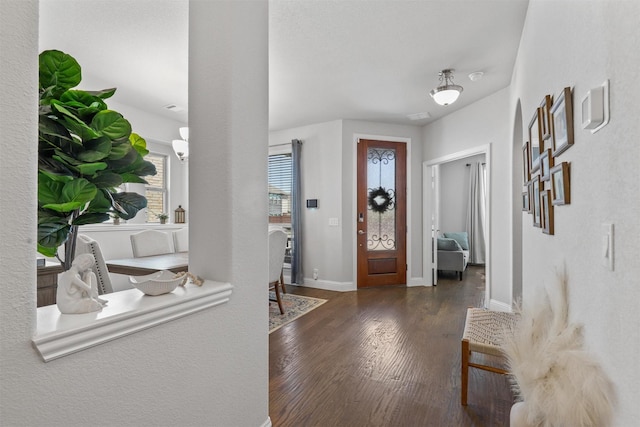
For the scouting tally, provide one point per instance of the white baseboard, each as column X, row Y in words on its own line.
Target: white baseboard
column 499, row 306
column 267, row 423
column 328, row 285
column 416, row 281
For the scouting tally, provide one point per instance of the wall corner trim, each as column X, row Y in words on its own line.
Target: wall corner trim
column 499, row 306
column 127, row 312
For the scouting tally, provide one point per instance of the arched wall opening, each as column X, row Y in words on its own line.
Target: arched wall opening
column 518, row 189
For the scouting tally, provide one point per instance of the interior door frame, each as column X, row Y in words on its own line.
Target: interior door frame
column 427, row 264
column 354, row 200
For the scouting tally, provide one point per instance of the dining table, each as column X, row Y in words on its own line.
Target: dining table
column 175, row 262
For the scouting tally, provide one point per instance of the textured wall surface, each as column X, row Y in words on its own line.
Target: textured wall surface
column 604, row 176
column 481, row 123
column 205, row 369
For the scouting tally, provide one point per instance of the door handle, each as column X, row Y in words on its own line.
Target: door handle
column 360, row 231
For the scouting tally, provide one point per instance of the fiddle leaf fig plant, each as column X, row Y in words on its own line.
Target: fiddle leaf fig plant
column 85, row 152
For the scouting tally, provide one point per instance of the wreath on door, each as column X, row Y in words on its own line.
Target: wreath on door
column 380, row 200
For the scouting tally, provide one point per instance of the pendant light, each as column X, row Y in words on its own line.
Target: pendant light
column 181, row 146
column 448, row 92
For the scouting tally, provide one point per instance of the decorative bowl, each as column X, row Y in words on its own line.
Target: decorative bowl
column 158, row 283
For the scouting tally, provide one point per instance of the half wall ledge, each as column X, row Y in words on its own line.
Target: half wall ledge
column 127, row 312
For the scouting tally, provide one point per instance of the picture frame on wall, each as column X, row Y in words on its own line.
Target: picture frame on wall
column 526, row 162
column 547, row 212
column 526, row 206
column 546, row 163
column 545, row 116
column 530, row 196
column 535, row 201
column 561, row 184
column 536, row 141
column 562, row 122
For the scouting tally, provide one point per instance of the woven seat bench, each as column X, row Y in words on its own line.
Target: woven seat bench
column 483, row 333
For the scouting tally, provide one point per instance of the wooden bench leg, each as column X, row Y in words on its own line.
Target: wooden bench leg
column 464, row 375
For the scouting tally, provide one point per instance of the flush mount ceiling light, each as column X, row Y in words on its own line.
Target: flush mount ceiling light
column 448, row 92
column 181, row 146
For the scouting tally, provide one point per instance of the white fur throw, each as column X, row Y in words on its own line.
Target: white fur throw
column 561, row 385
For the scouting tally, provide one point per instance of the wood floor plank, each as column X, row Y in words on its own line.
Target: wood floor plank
column 383, row 357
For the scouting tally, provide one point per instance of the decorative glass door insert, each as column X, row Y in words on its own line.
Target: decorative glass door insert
column 381, row 200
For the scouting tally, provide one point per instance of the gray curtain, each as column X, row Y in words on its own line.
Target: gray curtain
column 297, row 275
column 476, row 213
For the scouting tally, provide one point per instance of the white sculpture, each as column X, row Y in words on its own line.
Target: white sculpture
column 78, row 288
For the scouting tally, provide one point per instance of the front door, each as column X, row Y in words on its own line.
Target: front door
column 381, row 215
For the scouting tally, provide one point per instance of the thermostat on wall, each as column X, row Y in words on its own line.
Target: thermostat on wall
column 595, row 108
column 312, row 203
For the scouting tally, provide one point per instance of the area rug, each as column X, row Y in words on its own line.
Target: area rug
column 294, row 306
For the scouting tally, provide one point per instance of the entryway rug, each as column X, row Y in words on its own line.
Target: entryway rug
column 294, row 306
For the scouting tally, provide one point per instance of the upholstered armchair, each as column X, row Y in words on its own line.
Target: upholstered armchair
column 453, row 252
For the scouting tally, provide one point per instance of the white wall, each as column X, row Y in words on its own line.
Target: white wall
column 159, row 131
column 207, row 368
column 604, row 177
column 328, row 164
column 483, row 122
column 454, row 193
column 321, row 179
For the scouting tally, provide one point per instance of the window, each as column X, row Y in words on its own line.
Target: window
column 156, row 189
column 280, row 180
column 280, row 189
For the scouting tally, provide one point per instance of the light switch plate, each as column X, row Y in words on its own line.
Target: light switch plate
column 607, row 246
column 333, row 222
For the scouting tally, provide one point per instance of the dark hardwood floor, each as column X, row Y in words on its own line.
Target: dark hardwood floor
column 383, row 357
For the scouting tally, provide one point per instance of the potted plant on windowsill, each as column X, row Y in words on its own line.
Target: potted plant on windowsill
column 85, row 151
column 163, row 217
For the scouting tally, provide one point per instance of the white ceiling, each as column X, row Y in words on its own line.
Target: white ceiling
column 328, row 59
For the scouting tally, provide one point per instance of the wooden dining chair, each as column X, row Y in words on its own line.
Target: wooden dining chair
column 277, row 246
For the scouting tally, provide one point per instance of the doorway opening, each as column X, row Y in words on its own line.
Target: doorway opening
column 432, row 211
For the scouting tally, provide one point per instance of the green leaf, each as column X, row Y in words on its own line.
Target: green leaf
column 56, row 177
column 49, row 191
column 128, row 204
column 111, row 124
column 139, row 144
column 104, row 93
column 79, row 190
column 58, row 70
column 89, row 169
column 51, row 234
column 95, row 149
column 85, row 104
column 48, row 252
column 106, row 179
column 119, row 150
column 75, row 195
column 126, row 163
column 53, row 167
column 131, row 177
column 81, row 98
column 101, row 203
column 91, row 218
column 53, row 129
column 146, row 168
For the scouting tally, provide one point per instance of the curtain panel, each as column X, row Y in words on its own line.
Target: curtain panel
column 297, row 274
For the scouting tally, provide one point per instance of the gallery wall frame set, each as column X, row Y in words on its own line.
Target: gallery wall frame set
column 561, row 184
column 546, row 180
column 547, row 212
column 562, row 122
